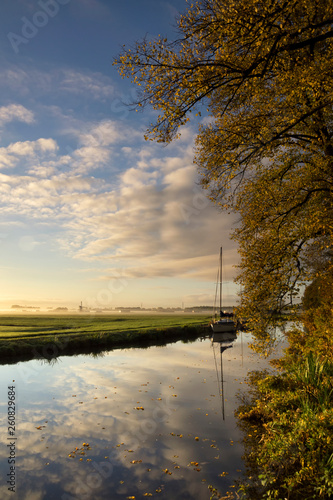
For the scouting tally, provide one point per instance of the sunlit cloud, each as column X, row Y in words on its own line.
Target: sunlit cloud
column 147, row 218
column 15, row 112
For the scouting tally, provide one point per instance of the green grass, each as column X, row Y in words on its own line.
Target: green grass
column 41, row 335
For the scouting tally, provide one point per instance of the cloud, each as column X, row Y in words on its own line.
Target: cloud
column 15, row 112
column 149, row 218
column 11, row 155
column 57, row 80
column 97, row 85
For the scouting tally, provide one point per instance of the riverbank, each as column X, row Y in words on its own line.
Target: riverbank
column 287, row 421
column 29, row 337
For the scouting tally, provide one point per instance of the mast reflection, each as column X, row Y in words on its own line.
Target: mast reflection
column 225, row 340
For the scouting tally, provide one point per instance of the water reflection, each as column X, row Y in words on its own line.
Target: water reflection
column 151, row 418
column 225, row 341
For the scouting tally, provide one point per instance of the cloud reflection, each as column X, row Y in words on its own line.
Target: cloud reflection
column 141, row 412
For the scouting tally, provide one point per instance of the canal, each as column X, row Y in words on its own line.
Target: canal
column 131, row 423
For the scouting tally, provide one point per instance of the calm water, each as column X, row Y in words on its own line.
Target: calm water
column 152, row 419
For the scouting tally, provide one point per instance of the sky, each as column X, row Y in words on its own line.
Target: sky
column 90, row 211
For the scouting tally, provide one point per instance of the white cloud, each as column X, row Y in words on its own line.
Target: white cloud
column 101, row 134
column 11, row 155
column 15, row 112
column 96, row 84
column 150, row 219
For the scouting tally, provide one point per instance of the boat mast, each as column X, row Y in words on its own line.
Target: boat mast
column 220, row 280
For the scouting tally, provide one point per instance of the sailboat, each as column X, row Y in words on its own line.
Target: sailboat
column 226, row 324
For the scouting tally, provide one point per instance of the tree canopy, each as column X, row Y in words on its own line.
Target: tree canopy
column 264, row 72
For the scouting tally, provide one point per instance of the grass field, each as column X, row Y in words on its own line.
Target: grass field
column 29, row 336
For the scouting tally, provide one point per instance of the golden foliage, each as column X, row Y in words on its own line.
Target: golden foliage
column 264, row 72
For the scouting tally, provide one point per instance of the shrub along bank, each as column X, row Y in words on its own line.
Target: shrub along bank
column 288, row 422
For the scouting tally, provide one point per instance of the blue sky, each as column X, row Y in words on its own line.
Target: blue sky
column 89, row 210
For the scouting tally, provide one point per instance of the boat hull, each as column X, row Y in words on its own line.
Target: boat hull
column 224, row 326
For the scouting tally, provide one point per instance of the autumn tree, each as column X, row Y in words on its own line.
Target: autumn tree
column 264, row 73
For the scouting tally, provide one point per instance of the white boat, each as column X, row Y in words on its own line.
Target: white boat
column 226, row 323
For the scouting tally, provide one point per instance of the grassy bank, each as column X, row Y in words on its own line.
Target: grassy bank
column 28, row 337
column 288, row 421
